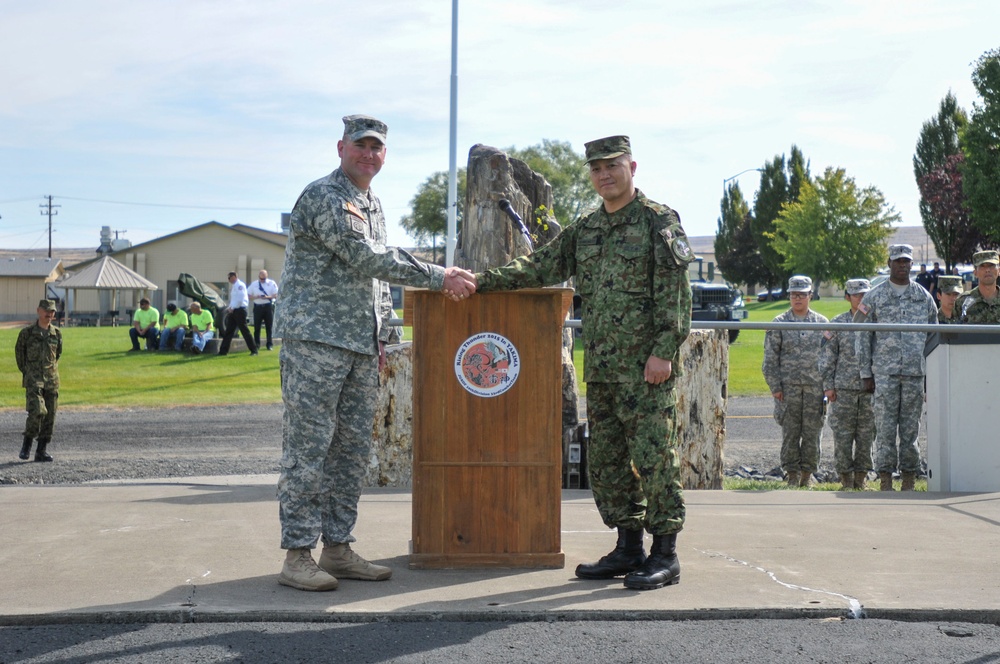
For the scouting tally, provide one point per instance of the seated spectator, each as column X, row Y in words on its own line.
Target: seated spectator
column 174, row 327
column 145, row 324
column 201, row 328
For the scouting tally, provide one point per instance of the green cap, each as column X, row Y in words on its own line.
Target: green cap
column 949, row 283
column 48, row 305
column 981, row 257
column 359, row 126
column 607, row 148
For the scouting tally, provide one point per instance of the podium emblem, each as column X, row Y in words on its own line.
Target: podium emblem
column 487, row 364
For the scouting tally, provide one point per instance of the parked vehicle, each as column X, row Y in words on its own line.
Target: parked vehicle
column 710, row 301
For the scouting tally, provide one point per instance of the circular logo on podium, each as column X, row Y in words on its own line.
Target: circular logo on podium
column 487, row 364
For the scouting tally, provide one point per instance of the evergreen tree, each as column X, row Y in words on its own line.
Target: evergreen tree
column 736, row 250
column 981, row 145
column 771, row 196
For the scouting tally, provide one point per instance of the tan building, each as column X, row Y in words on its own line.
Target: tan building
column 23, row 282
column 207, row 252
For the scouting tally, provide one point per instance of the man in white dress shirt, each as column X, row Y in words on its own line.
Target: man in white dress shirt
column 236, row 316
column 263, row 292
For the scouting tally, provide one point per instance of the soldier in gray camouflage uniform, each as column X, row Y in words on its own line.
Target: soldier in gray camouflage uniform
column 791, row 370
column 892, row 366
column 981, row 306
column 629, row 257
column 37, row 351
column 851, row 416
column 335, row 308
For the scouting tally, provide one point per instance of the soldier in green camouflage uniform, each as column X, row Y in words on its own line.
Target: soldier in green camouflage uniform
column 629, row 257
column 892, row 365
column 37, row 351
column 851, row 416
column 981, row 306
column 791, row 370
column 948, row 290
column 335, row 307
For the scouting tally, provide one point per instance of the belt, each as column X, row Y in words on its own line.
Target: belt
column 263, row 304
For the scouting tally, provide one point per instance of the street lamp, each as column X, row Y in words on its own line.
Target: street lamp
column 730, row 179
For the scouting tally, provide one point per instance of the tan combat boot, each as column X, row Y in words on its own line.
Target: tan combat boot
column 847, row 480
column 860, row 477
column 806, row 479
column 885, row 481
column 909, row 479
column 793, row 478
column 300, row 571
column 340, row 561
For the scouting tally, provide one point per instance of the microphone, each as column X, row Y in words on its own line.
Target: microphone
column 516, row 218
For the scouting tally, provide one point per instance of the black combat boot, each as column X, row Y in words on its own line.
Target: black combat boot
column 40, row 454
column 627, row 556
column 25, row 448
column 661, row 568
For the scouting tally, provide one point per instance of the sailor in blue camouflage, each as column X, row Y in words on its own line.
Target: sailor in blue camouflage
column 892, row 363
column 630, row 266
column 791, row 370
column 852, row 419
column 948, row 291
column 335, row 306
column 981, row 306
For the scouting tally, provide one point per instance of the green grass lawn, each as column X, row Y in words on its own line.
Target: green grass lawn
column 96, row 370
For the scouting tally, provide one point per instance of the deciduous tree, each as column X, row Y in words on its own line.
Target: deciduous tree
column 981, row 146
column 835, row 231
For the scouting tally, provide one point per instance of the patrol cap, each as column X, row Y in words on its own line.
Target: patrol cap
column 858, row 286
column 607, row 148
column 981, row 257
column 949, row 284
column 800, row 284
column 357, row 127
column 897, row 251
column 48, row 305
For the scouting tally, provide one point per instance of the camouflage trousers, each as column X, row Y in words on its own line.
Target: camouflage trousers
column 632, row 456
column 898, row 401
column 329, row 398
column 802, row 415
column 853, row 423
column 41, row 405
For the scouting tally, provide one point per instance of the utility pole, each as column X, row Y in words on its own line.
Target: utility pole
column 47, row 209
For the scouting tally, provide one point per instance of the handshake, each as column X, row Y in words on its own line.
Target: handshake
column 458, row 283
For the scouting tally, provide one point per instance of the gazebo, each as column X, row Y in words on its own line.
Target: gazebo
column 109, row 275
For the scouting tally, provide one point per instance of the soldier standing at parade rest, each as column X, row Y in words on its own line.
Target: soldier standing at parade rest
column 851, row 417
column 37, row 351
column 791, row 370
column 335, row 309
column 981, row 306
column 948, row 290
column 892, row 365
column 629, row 257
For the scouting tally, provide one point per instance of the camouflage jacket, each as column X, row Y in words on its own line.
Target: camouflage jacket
column 791, row 357
column 631, row 274
column 945, row 320
column 838, row 358
column 971, row 307
column 894, row 353
column 334, row 288
column 37, row 352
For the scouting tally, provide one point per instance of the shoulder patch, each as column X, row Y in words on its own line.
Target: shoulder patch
column 864, row 308
column 827, row 334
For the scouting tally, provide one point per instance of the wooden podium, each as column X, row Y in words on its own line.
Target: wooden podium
column 487, row 429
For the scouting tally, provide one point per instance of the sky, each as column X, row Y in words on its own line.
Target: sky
column 152, row 117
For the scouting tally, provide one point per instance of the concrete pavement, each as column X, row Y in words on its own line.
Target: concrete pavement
column 206, row 549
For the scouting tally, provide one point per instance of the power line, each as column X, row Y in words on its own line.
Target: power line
column 172, row 205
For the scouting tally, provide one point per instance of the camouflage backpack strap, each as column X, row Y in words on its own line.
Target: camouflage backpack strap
column 667, row 227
